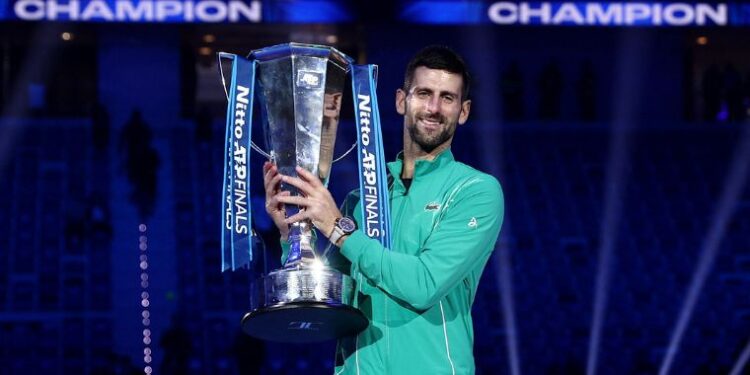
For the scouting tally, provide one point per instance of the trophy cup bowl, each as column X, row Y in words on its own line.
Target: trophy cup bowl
column 300, row 87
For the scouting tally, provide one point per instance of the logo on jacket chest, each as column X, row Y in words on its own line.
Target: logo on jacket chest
column 432, row 206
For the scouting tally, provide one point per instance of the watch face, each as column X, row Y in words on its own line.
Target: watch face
column 347, row 224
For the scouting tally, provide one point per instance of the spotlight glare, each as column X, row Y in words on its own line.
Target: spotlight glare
column 741, row 361
column 504, row 280
column 734, row 185
column 616, row 179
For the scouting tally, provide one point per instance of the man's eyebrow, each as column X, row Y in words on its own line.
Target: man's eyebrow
column 443, row 92
column 420, row 88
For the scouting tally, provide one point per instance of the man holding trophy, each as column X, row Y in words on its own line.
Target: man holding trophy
column 417, row 294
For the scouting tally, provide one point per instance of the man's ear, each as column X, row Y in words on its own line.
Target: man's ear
column 401, row 102
column 465, row 109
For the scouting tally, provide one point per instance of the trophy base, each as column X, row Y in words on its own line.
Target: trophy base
column 305, row 304
column 303, row 322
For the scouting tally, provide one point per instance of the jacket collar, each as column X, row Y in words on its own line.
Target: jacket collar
column 422, row 167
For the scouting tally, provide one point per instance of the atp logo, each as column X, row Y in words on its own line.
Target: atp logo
column 308, row 79
column 304, row 326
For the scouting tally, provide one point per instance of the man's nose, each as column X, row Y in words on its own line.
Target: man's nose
column 433, row 104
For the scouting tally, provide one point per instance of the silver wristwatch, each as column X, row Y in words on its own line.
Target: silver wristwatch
column 343, row 226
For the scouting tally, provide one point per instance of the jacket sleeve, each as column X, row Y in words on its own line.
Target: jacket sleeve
column 462, row 240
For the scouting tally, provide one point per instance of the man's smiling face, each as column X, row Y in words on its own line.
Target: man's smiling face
column 432, row 107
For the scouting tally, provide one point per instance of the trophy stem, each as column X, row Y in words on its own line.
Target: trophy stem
column 301, row 245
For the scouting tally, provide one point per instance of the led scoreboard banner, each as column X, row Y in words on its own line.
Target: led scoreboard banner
column 559, row 13
column 459, row 12
column 177, row 11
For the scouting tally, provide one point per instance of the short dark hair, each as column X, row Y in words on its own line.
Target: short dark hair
column 439, row 57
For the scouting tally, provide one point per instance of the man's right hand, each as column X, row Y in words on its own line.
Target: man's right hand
column 275, row 209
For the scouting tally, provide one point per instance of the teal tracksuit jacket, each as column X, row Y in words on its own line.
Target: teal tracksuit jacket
column 418, row 295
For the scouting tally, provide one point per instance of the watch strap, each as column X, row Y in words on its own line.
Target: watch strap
column 336, row 234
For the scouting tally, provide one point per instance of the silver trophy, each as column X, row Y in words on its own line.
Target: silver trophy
column 300, row 88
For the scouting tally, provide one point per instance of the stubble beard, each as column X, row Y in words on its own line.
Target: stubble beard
column 429, row 143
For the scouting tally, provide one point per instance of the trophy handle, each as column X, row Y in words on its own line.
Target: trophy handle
column 270, row 156
column 354, row 145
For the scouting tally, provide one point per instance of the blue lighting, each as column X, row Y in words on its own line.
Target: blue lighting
column 733, row 187
column 444, row 12
column 313, row 11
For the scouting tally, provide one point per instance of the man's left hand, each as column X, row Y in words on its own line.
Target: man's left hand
column 316, row 200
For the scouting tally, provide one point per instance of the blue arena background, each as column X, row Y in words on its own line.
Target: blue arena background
column 623, row 153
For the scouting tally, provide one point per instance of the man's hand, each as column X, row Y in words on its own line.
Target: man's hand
column 274, row 208
column 317, row 201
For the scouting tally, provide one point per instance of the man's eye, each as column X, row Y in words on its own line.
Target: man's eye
column 423, row 94
column 448, row 99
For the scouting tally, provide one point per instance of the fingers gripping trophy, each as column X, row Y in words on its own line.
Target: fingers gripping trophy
column 299, row 88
